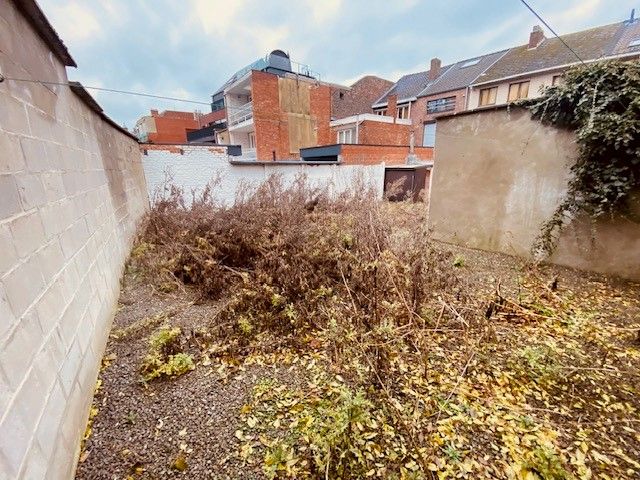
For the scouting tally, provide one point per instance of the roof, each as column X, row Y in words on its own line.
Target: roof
column 31, row 11
column 462, row 74
column 590, row 45
column 409, row 86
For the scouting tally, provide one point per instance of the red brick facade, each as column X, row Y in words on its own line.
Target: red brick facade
column 359, row 97
column 374, row 154
column 172, row 126
column 371, row 132
column 419, row 115
column 271, row 123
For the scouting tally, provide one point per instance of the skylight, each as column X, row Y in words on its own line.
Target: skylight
column 635, row 42
column 470, row 63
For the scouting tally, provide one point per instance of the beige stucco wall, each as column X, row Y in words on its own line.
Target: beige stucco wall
column 537, row 83
column 498, row 176
column 72, row 189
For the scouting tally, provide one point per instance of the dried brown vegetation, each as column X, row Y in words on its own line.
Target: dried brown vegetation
column 388, row 355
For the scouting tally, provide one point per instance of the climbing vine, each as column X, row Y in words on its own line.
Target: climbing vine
column 601, row 103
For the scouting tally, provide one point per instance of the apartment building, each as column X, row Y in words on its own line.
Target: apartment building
column 274, row 107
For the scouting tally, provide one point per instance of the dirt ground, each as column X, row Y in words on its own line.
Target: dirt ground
column 195, row 425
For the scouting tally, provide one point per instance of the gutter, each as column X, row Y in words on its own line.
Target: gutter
column 556, row 67
column 400, row 101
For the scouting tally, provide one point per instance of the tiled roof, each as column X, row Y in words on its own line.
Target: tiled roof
column 628, row 34
column 410, row 85
column 590, row 44
column 461, row 74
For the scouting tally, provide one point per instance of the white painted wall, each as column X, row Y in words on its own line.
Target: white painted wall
column 200, row 165
column 537, row 83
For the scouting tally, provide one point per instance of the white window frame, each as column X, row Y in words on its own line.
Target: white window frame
column 405, row 107
column 382, row 111
column 252, row 139
column 346, row 136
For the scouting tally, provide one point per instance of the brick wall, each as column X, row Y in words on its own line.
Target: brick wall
column 72, row 189
column 379, row 133
column 419, row 111
column 359, row 97
column 387, row 154
column 172, row 126
column 272, row 124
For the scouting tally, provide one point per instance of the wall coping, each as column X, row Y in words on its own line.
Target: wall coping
column 34, row 15
column 89, row 101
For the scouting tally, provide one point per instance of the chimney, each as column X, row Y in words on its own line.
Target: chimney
column 154, row 113
column 434, row 71
column 392, row 106
column 536, row 37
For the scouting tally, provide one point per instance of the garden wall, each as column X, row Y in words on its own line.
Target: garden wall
column 498, row 176
column 72, row 189
column 192, row 167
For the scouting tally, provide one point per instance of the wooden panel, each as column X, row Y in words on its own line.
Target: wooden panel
column 302, row 132
column 294, row 96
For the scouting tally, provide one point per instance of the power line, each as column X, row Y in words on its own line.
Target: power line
column 552, row 30
column 111, row 90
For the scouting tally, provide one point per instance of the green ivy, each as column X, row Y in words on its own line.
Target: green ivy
column 601, row 103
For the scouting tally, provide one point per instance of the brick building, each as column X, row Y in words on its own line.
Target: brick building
column 358, row 98
column 273, row 108
column 169, row 126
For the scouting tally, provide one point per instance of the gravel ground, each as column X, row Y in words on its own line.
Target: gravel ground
column 140, row 429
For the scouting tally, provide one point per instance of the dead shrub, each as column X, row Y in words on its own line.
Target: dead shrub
column 292, row 259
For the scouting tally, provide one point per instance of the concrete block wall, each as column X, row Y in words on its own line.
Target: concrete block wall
column 499, row 175
column 72, row 189
column 192, row 167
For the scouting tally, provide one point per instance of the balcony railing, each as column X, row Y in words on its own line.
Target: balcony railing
column 241, row 114
column 441, row 105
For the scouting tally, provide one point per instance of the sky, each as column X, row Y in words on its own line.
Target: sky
column 189, row 48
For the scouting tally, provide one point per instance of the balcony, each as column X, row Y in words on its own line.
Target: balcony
column 239, row 115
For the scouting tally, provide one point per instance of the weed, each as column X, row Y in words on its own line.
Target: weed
column 539, row 362
column 547, row 465
column 164, row 357
column 459, row 261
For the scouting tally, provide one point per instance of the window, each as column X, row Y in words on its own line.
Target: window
column 429, row 135
column 557, row 80
column 347, row 136
column 382, row 111
column 518, row 91
column 341, row 95
column 252, row 139
column 635, row 42
column 470, row 63
column 403, row 111
column 488, row 96
column 441, row 105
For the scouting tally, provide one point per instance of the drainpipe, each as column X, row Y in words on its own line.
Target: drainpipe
column 357, row 129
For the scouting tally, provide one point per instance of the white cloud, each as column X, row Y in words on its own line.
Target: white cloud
column 324, row 10
column 75, row 22
column 217, row 16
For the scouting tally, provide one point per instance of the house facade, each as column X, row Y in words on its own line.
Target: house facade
column 525, row 71
column 169, row 126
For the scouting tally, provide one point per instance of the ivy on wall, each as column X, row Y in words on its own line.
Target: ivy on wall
column 601, row 103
